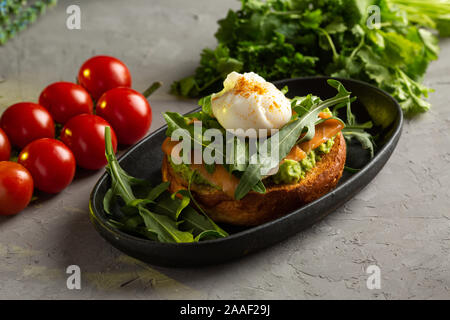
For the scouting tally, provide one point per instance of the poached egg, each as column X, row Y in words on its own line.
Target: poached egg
column 247, row 101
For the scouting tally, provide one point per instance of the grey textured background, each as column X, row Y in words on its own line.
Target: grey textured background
column 400, row 222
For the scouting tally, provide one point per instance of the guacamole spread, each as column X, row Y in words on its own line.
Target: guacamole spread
column 185, row 172
column 292, row 171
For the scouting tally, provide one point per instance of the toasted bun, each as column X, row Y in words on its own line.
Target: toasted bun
column 256, row 208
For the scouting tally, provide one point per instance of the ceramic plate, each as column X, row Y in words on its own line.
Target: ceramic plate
column 144, row 161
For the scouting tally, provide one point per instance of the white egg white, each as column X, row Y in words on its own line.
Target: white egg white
column 250, row 102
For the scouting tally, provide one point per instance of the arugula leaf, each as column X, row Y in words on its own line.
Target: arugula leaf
column 205, row 103
column 259, row 187
column 351, row 170
column 199, row 224
column 157, row 191
column 212, row 224
column 301, row 105
column 132, row 228
column 208, row 234
column 121, row 182
column 353, row 129
column 239, row 159
column 176, row 121
column 165, row 228
column 179, row 210
column 362, row 136
column 184, row 202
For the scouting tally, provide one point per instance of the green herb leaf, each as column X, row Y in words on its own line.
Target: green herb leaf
column 205, row 103
column 210, row 222
column 363, row 137
column 208, row 235
column 164, row 227
column 157, row 191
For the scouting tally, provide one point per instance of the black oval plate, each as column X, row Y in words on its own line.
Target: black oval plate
column 144, row 161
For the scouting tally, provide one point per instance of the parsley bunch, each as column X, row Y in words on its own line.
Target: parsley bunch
column 290, row 38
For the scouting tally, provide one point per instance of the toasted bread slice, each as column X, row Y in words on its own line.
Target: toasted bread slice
column 256, row 208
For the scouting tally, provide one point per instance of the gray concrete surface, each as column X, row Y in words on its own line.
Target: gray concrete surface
column 400, row 222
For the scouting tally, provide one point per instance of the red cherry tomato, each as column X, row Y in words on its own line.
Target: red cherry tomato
column 50, row 163
column 127, row 111
column 65, row 100
column 85, row 136
column 25, row 122
column 16, row 187
column 5, row 146
column 102, row 73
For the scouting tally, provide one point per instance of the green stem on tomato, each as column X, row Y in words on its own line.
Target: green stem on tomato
column 153, row 87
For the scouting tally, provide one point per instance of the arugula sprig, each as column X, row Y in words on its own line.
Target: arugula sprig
column 155, row 213
column 358, row 131
column 353, row 129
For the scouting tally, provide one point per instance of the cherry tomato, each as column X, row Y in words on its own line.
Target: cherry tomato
column 127, row 111
column 5, row 146
column 65, row 100
column 102, row 73
column 50, row 163
column 16, row 187
column 85, row 136
column 25, row 122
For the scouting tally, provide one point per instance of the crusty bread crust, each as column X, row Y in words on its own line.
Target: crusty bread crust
column 256, row 208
